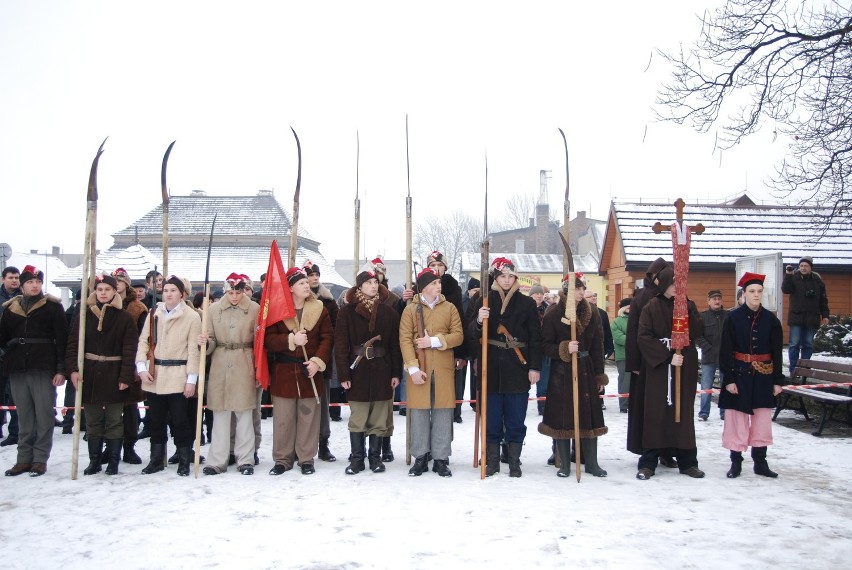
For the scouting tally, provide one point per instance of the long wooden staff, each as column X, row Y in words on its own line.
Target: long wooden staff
column 570, row 317
column 87, row 274
column 482, row 396
column 164, row 188
column 294, row 229
column 202, row 357
column 409, row 264
column 357, row 254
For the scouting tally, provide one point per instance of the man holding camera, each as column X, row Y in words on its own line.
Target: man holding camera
column 808, row 308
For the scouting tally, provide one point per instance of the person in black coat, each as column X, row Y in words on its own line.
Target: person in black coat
column 514, row 362
column 750, row 360
column 808, row 308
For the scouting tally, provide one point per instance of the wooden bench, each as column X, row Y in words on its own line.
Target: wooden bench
column 810, row 372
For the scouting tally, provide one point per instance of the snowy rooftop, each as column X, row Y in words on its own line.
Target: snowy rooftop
column 731, row 232
column 532, row 263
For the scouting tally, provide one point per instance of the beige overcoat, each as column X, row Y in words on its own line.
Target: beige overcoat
column 176, row 339
column 230, row 331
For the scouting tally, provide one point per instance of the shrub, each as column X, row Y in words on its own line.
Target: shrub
column 836, row 337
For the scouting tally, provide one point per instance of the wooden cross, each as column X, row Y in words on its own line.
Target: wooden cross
column 679, row 205
column 680, row 323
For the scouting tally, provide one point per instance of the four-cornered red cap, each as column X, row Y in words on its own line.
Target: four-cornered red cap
column 234, row 282
column 30, row 272
column 750, row 278
column 425, row 277
column 310, row 267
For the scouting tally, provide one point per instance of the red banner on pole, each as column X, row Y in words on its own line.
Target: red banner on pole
column 276, row 304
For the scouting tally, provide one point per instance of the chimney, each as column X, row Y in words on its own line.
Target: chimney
column 581, row 215
column 198, row 193
column 532, row 222
column 265, row 192
column 55, row 250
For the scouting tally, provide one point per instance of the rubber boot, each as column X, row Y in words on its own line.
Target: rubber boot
column 563, row 452
column 589, row 447
column 95, row 448
column 155, row 464
column 114, row 454
column 761, row 467
column 324, row 452
column 376, row 465
column 736, row 465
column 387, row 452
column 492, row 459
column 515, row 448
column 356, row 458
column 185, row 457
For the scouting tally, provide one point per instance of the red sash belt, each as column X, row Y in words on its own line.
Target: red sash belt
column 752, row 357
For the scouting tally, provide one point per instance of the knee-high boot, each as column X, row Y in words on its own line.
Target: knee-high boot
column 158, row 453
column 492, row 459
column 376, row 465
column 589, row 448
column 356, row 457
column 736, row 465
column 761, row 467
column 113, row 451
column 95, row 448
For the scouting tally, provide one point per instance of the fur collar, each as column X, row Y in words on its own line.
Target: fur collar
column 584, row 312
column 322, row 293
column 381, row 298
column 311, row 313
column 14, row 304
column 506, row 296
column 92, row 303
column 224, row 304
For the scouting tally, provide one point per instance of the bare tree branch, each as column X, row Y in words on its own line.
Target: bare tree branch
column 451, row 235
column 784, row 61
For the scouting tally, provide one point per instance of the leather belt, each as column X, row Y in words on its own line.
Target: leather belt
column 24, row 340
column 506, row 345
column 370, row 352
column 281, row 357
column 235, row 345
column 159, row 362
column 582, row 354
column 100, row 358
column 752, row 357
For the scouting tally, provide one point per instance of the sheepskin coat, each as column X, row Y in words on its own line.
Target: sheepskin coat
column 176, row 339
column 111, row 332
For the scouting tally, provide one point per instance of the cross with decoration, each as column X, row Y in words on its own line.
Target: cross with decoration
column 681, row 240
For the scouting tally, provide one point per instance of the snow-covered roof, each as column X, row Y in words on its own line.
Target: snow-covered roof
column 731, row 231
column 52, row 266
column 190, row 262
column 532, row 263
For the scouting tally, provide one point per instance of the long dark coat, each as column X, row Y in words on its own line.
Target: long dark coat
column 44, row 318
column 290, row 379
column 371, row 379
column 653, row 413
column 750, row 332
column 808, row 299
column 114, row 334
column 139, row 313
column 506, row 374
column 452, row 292
column 558, row 419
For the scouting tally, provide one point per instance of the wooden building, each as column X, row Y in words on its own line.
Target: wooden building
column 734, row 230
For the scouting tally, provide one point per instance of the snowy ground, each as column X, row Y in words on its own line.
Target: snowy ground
column 331, row 520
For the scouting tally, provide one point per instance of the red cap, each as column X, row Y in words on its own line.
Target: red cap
column 748, row 278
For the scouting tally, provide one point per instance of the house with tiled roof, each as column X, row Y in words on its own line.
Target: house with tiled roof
column 245, row 228
column 735, row 229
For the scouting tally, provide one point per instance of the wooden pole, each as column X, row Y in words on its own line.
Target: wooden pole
column 87, row 274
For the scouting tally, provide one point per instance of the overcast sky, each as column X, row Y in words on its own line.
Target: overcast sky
column 226, row 80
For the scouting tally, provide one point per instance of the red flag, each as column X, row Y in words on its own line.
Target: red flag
column 276, row 304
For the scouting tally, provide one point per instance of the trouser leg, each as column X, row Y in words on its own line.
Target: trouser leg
column 284, row 430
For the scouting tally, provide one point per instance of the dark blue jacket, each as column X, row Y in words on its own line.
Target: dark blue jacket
column 750, row 332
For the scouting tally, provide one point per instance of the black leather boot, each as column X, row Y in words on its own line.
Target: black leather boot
column 130, row 455
column 375, row 455
column 185, row 457
column 492, row 459
column 563, row 451
column 95, row 448
column 515, row 448
column 387, row 452
column 114, row 454
column 421, row 465
column 504, row 452
column 761, row 467
column 552, row 459
column 324, row 452
column 356, row 458
column 589, row 448
column 736, row 465
column 155, row 464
